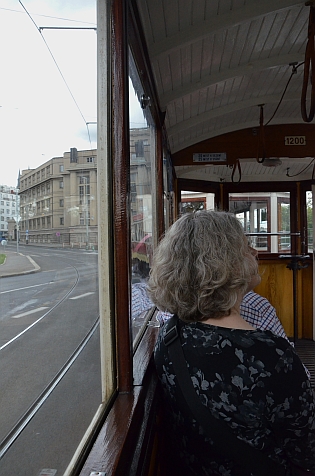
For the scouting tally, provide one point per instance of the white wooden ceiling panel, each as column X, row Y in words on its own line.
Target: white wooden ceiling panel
column 198, row 11
column 250, row 170
column 153, row 19
column 171, row 17
column 196, row 61
column 165, row 75
column 215, row 61
column 202, row 101
column 187, row 12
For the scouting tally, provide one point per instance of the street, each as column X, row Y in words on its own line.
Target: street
column 47, row 401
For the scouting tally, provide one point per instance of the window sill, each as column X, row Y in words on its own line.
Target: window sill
column 121, row 445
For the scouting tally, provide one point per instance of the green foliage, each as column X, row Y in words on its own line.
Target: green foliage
column 2, row 258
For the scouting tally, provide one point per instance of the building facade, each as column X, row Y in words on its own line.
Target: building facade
column 58, row 201
column 8, row 210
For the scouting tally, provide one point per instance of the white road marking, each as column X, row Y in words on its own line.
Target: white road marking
column 82, row 295
column 27, row 287
column 29, row 312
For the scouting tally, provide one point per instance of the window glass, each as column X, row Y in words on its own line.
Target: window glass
column 49, row 332
column 265, row 217
column 142, row 211
column 194, row 201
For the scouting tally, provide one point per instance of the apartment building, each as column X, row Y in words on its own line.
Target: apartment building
column 8, row 210
column 58, row 200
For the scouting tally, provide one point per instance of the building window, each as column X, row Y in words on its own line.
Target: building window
column 61, row 184
column 84, row 179
column 61, row 202
column 61, row 168
column 81, row 194
column 90, row 159
column 61, row 221
column 43, row 221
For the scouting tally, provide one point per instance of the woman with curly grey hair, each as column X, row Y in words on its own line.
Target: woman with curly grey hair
column 251, row 381
column 202, row 266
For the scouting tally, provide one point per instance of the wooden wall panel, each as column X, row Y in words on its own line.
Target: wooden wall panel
column 307, row 300
column 277, row 286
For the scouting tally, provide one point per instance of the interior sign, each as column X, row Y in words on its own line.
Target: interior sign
column 295, row 140
column 210, row 157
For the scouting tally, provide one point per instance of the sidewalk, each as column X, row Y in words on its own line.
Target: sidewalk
column 16, row 264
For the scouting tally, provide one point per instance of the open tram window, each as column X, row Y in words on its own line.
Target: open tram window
column 265, row 217
column 142, row 211
column 194, row 201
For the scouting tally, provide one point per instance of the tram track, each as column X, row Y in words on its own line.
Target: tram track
column 58, row 303
column 30, row 411
column 19, row 426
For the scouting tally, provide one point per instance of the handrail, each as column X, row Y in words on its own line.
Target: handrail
column 280, row 233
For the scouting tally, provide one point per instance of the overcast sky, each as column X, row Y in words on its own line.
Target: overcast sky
column 43, row 115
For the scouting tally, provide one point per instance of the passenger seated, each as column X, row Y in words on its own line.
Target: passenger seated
column 255, row 309
column 250, row 380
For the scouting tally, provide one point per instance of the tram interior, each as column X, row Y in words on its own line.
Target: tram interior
column 227, row 95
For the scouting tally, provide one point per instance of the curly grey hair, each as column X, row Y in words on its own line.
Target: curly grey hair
column 201, row 266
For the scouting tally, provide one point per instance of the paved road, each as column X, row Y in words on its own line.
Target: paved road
column 47, row 308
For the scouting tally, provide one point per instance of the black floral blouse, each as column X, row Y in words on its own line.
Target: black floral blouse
column 251, row 379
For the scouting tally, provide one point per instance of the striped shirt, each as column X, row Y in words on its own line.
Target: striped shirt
column 255, row 309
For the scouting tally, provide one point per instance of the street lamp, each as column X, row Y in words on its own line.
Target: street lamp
column 17, row 219
column 86, row 208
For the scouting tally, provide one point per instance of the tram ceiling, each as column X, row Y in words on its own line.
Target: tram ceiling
column 215, row 62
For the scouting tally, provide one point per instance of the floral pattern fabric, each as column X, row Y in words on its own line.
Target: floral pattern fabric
column 254, row 382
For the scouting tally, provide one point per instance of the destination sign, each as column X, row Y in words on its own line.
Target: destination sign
column 210, row 157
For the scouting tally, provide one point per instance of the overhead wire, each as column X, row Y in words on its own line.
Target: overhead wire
column 49, row 16
column 61, row 74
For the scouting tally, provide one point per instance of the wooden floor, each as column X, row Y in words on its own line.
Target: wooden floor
column 306, row 351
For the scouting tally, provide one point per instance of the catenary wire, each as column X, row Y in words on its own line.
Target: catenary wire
column 49, row 16
column 61, row 74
